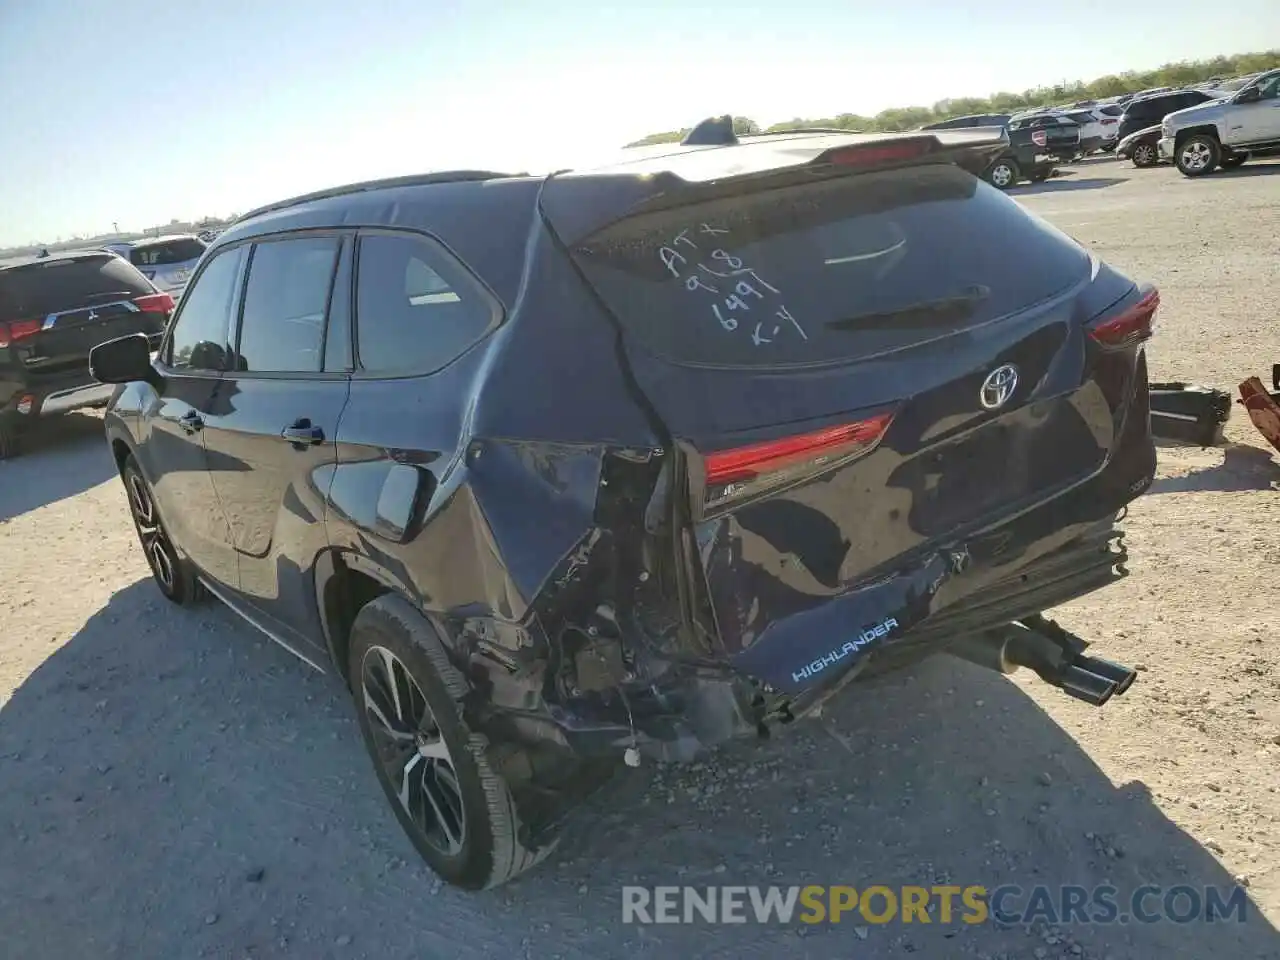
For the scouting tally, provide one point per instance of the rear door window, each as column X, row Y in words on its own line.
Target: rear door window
column 202, row 328
column 286, row 300
column 417, row 308
column 41, row 288
column 164, row 254
column 837, row 269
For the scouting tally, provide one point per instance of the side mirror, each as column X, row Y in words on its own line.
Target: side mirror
column 1248, row 95
column 123, row 360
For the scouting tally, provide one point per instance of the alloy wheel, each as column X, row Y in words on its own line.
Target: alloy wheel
column 411, row 751
column 155, row 543
column 1143, row 154
column 1002, row 175
column 1196, row 155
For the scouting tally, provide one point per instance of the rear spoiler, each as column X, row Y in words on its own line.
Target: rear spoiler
column 579, row 203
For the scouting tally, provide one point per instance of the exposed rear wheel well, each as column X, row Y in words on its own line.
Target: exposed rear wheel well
column 345, row 593
column 119, row 452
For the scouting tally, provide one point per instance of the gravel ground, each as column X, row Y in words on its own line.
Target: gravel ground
column 172, row 785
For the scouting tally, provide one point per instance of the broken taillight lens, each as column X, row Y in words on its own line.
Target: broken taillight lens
column 743, row 472
column 1132, row 325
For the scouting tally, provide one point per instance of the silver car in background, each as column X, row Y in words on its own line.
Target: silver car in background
column 168, row 262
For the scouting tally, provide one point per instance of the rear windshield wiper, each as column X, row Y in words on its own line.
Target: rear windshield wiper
column 926, row 313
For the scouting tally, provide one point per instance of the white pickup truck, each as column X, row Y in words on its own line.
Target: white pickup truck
column 1224, row 133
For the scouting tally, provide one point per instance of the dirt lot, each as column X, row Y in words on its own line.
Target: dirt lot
column 173, row 785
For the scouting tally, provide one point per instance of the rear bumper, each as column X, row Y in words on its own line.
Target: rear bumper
column 690, row 711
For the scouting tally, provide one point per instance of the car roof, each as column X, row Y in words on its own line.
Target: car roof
column 156, row 241
column 29, row 259
column 690, row 162
column 754, row 154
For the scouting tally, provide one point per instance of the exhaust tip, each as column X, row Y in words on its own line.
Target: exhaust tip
column 1117, row 673
column 1085, row 685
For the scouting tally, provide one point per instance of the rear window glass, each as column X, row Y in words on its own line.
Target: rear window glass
column 37, row 289
column 1080, row 116
column 1111, row 110
column 841, row 268
column 163, row 254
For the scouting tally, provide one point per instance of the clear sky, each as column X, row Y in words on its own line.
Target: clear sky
column 137, row 111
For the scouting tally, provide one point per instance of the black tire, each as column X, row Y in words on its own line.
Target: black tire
column 170, row 571
column 465, row 824
column 1144, row 155
column 1004, row 174
column 8, row 439
column 1231, row 161
column 1198, row 155
column 1040, row 176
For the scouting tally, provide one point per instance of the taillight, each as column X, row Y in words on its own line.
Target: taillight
column 1109, row 122
column 154, row 303
column 18, row 330
column 1131, row 326
column 1039, row 138
column 743, row 472
column 866, row 155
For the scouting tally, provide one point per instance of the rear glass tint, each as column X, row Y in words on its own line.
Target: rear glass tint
column 37, row 289
column 841, row 268
column 163, row 254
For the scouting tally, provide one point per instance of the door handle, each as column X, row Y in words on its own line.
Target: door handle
column 191, row 422
column 302, row 433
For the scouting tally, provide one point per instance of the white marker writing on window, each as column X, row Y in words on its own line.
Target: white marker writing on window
column 785, row 314
column 729, row 323
column 670, row 258
column 757, row 339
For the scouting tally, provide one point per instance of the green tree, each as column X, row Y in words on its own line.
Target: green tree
column 895, row 119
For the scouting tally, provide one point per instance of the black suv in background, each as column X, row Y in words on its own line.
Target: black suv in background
column 1037, row 143
column 1148, row 111
column 558, row 473
column 53, row 310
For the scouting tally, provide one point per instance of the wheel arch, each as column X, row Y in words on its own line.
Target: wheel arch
column 120, row 451
column 1206, row 129
column 345, row 581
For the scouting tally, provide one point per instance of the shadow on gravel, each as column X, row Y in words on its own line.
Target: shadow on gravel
column 1253, row 168
column 176, row 786
column 60, row 457
column 1242, row 468
column 1064, row 185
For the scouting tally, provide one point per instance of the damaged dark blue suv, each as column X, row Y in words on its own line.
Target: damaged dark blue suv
column 560, row 472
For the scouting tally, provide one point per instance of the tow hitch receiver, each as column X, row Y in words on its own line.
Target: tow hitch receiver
column 1056, row 655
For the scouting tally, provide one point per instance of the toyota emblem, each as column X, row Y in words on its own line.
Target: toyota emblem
column 998, row 387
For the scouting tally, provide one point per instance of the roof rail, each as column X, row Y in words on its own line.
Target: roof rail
column 412, row 180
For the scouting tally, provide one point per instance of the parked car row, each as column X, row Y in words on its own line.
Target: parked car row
column 1199, row 129
column 1038, row 142
column 1202, row 130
